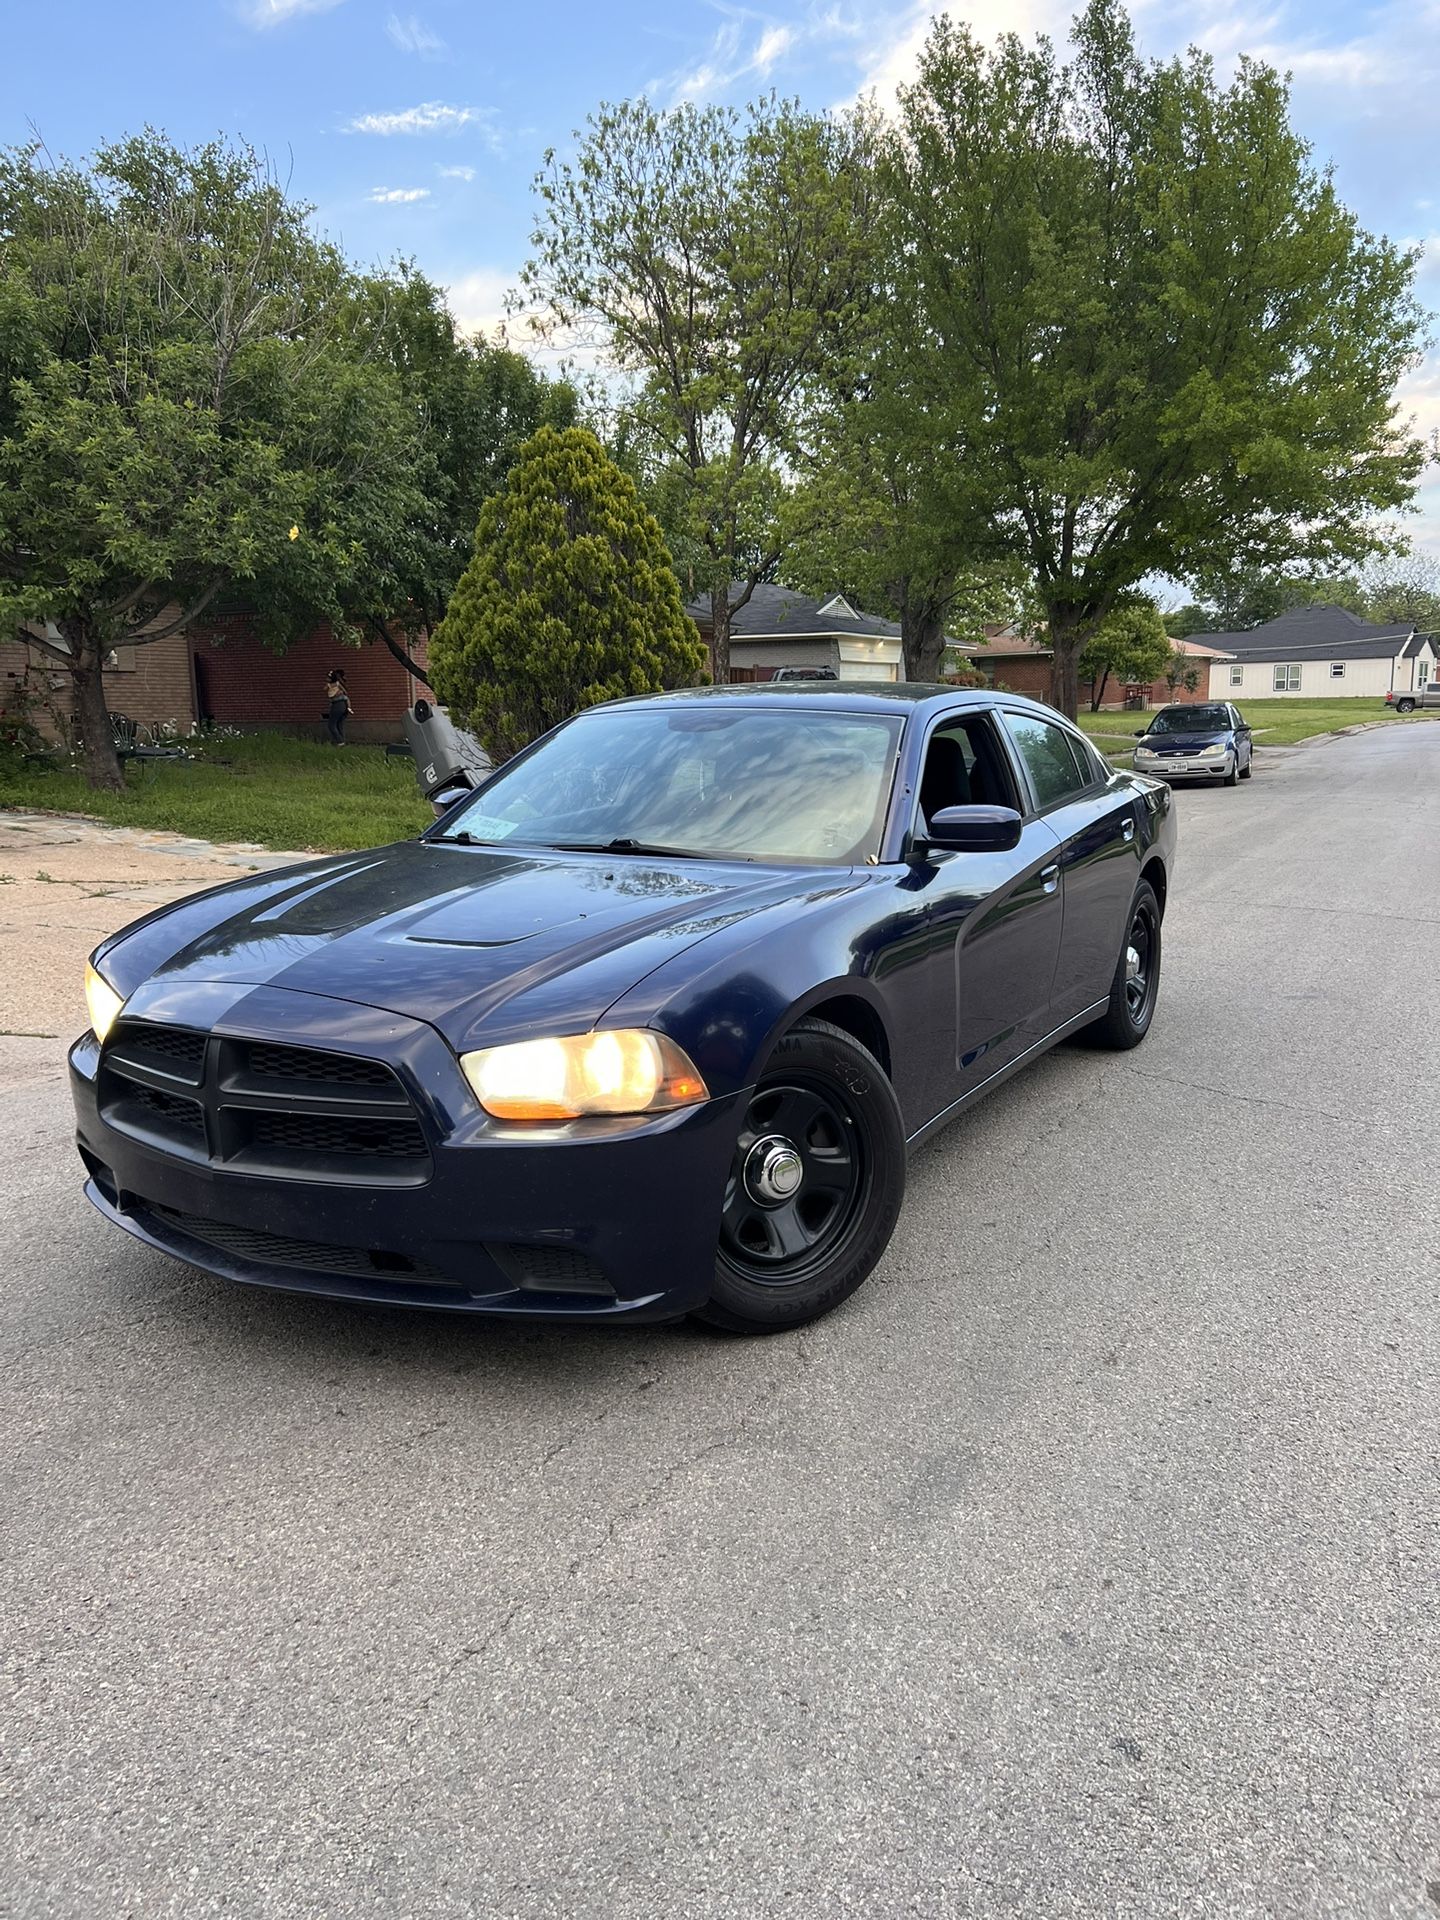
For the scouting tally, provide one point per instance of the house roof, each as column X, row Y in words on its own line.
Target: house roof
column 1317, row 633
column 779, row 613
column 1418, row 644
column 1200, row 652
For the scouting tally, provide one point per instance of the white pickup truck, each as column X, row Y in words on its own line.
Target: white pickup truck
column 1426, row 696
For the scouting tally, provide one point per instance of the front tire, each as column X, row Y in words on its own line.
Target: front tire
column 1232, row 776
column 1248, row 768
column 1126, row 1021
column 815, row 1184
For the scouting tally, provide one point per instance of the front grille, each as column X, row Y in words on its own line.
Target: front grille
column 312, row 1256
column 174, row 1051
column 302, row 1113
column 305, row 1064
column 321, row 1133
column 153, row 1111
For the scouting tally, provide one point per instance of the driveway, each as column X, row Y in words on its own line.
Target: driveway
column 1084, row 1565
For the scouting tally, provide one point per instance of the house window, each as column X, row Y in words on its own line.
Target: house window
column 1287, row 680
column 1337, row 669
column 1237, row 676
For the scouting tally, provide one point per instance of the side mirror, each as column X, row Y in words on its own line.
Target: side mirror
column 447, row 798
column 1140, row 732
column 972, row 830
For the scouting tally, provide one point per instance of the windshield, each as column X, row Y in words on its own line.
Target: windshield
column 799, row 785
column 1191, row 720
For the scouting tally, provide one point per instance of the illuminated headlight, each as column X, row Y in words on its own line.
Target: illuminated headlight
column 102, row 1000
column 1212, row 753
column 628, row 1071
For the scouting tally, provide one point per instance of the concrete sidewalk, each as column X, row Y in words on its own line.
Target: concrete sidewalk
column 67, row 882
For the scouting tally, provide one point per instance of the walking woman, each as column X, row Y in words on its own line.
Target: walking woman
column 337, row 706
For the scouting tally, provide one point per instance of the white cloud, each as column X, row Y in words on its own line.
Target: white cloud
column 398, row 196
column 431, row 116
column 732, row 57
column 456, row 173
column 477, row 300
column 411, row 35
column 274, row 13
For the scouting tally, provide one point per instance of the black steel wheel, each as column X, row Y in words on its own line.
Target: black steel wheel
column 1126, row 1021
column 814, row 1186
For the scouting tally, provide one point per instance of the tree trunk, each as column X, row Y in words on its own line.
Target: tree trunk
column 720, row 635
column 922, row 642
column 383, row 633
column 1097, row 693
column 102, row 763
column 1065, row 659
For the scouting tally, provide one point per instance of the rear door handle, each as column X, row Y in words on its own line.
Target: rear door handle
column 1049, row 879
column 1128, row 830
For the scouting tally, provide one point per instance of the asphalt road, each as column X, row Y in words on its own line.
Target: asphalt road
column 1087, row 1563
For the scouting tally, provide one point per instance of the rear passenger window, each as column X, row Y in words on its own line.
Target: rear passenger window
column 1056, row 771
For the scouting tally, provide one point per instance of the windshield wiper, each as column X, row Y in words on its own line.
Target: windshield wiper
column 642, row 847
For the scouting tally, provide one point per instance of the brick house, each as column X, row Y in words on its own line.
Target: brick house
column 1023, row 666
column 221, row 672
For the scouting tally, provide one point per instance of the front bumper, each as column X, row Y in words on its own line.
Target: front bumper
column 1187, row 768
column 607, row 1221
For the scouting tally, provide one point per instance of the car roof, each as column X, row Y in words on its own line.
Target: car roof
column 853, row 696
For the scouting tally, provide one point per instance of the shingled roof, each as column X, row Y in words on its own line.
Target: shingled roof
column 1316, row 633
column 779, row 613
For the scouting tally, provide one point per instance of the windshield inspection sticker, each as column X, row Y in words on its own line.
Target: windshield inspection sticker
column 488, row 826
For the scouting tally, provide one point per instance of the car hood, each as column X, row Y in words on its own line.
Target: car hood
column 1208, row 737
column 468, row 939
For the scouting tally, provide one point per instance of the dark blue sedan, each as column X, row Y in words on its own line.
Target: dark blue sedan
column 644, row 1027
column 1209, row 742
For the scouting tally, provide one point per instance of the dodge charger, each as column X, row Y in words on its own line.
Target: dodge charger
column 645, row 1026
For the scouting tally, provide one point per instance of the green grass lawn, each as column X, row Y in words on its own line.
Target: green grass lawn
column 1277, row 723
column 262, row 787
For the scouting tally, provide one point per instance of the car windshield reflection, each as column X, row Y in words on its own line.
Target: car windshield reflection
column 687, row 782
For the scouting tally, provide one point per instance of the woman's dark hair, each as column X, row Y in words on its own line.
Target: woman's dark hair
column 337, row 673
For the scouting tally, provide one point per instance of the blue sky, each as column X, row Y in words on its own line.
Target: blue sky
column 416, row 128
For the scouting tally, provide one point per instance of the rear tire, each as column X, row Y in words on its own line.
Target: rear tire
column 1133, row 992
column 824, row 1116
column 1248, row 768
column 1404, row 706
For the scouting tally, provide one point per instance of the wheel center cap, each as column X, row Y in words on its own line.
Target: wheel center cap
column 1132, row 964
column 774, row 1171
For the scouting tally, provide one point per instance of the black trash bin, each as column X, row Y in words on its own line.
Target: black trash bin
column 446, row 757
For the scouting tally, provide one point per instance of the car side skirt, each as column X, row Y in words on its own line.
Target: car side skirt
column 966, row 1100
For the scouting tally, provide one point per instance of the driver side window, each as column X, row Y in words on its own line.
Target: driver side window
column 965, row 767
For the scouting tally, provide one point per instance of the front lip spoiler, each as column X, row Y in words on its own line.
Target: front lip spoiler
column 140, row 1223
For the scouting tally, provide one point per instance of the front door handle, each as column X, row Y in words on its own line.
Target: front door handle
column 1128, row 830
column 1049, row 879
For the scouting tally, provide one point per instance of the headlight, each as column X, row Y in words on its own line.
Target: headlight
column 1144, row 753
column 1212, row 753
column 628, row 1071
column 102, row 1000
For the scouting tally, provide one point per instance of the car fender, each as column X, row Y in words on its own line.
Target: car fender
column 728, row 998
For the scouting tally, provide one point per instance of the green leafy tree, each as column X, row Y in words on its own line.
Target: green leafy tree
column 475, row 404
column 1405, row 591
column 1181, row 670
column 1190, row 618
column 1150, row 331
column 1246, row 597
column 570, row 599
column 713, row 257
column 1131, row 643
column 185, row 406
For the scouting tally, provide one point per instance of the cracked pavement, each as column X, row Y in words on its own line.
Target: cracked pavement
column 1083, row 1565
